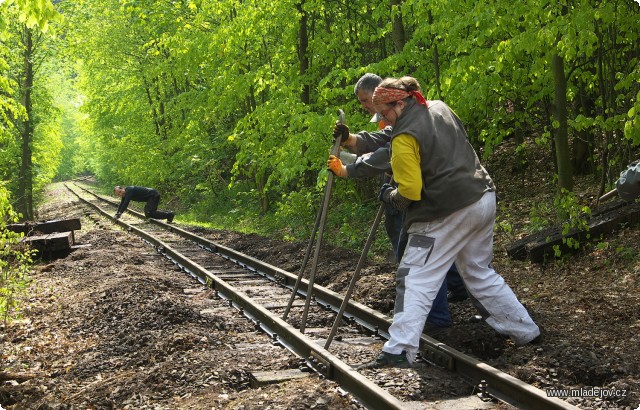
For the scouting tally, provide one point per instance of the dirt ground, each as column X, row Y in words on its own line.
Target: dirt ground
column 115, row 326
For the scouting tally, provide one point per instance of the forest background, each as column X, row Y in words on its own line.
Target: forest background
column 226, row 107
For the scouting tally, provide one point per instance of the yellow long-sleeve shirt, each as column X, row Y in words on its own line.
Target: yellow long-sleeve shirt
column 405, row 162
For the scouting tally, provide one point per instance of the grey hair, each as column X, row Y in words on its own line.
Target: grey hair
column 367, row 82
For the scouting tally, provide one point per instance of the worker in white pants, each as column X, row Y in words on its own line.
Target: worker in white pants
column 450, row 203
column 466, row 238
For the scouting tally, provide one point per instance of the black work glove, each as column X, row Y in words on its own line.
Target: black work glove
column 340, row 131
column 385, row 193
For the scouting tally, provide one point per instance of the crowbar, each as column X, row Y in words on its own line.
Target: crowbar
column 608, row 195
column 319, row 225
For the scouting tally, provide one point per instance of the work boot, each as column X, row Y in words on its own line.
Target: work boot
column 170, row 217
column 388, row 360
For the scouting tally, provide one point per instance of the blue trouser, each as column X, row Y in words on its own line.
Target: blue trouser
column 439, row 314
column 455, row 282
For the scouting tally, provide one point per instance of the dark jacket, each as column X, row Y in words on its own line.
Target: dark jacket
column 372, row 149
column 138, row 194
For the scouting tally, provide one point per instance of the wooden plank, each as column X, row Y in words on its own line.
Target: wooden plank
column 540, row 246
column 518, row 249
column 57, row 225
column 83, row 246
column 278, row 303
column 50, row 243
column 19, row 376
column 262, row 378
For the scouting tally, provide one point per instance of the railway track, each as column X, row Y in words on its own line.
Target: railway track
column 263, row 294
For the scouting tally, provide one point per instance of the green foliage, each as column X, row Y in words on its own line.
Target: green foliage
column 626, row 253
column 565, row 211
column 28, row 118
column 299, row 209
column 570, row 212
column 540, row 217
column 10, row 108
column 206, row 100
column 503, row 225
column 15, row 261
column 31, row 13
column 572, row 217
column 632, row 123
column 47, row 138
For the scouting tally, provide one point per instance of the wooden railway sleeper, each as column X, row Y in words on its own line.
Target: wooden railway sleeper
column 202, row 279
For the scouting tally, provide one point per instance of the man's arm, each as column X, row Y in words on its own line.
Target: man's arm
column 124, row 203
column 370, row 165
column 365, row 142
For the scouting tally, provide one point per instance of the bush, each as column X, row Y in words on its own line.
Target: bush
column 15, row 261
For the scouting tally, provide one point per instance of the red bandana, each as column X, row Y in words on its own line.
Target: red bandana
column 384, row 95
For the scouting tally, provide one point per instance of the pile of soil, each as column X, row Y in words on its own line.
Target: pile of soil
column 114, row 325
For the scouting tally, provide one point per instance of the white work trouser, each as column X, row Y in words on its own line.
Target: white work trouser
column 466, row 238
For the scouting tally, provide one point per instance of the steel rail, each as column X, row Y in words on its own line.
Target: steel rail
column 492, row 381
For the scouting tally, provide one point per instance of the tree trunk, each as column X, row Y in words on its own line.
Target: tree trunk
column 397, row 34
column 436, row 60
column 604, row 108
column 152, row 107
column 561, row 138
column 25, row 187
column 583, row 143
